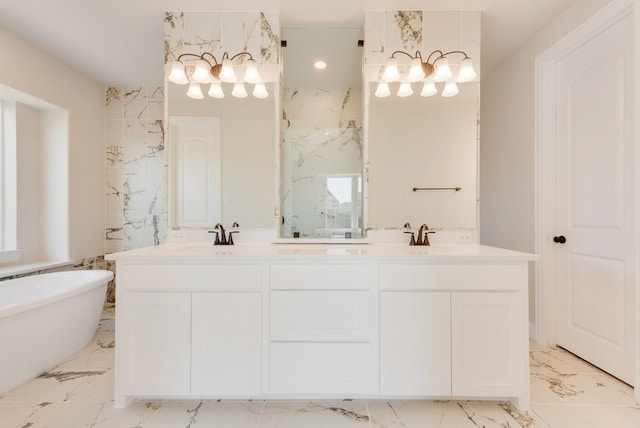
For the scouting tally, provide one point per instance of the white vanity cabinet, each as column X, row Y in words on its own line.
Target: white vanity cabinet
column 322, row 322
column 454, row 329
column 155, row 357
column 322, row 330
column 204, row 340
column 415, row 343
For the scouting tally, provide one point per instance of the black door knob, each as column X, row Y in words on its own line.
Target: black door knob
column 559, row 239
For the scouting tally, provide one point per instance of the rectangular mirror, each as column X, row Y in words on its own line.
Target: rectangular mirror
column 244, row 162
column 428, row 143
column 322, row 142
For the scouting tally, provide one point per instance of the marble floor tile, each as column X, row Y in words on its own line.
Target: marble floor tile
column 318, row 414
column 207, row 414
column 137, row 414
column 566, row 392
column 584, row 416
column 504, row 414
column 422, row 414
column 60, row 415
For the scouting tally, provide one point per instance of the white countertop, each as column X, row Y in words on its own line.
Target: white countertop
column 206, row 252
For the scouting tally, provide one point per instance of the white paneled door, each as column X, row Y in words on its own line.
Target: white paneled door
column 594, row 239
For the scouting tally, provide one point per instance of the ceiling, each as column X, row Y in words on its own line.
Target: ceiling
column 120, row 42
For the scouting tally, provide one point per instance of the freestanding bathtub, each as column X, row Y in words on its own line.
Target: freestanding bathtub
column 45, row 319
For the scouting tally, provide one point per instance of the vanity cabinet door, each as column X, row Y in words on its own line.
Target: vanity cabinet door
column 154, row 355
column 227, row 340
column 415, row 344
column 488, row 358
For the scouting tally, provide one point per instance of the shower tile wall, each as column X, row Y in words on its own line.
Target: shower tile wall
column 136, row 197
column 319, row 126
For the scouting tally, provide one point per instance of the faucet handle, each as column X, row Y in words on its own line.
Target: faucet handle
column 217, row 239
column 413, row 238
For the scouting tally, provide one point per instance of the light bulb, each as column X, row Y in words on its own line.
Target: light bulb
column 260, row 91
column 226, row 73
column 428, row 89
column 195, row 91
column 443, row 71
column 382, row 90
column 215, row 90
column 416, row 73
column 239, row 91
column 405, row 89
column 467, row 73
column 177, row 74
column 251, row 75
column 319, row 64
column 201, row 73
column 450, row 90
column 391, row 72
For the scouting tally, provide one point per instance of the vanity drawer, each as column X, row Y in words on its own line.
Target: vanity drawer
column 191, row 277
column 321, row 276
column 320, row 316
column 453, row 276
column 333, row 369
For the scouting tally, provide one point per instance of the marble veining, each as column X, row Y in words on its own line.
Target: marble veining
column 79, row 393
column 409, row 28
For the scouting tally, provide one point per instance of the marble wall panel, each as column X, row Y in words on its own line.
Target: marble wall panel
column 423, row 31
column 135, row 191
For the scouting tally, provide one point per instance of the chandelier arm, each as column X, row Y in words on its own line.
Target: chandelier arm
column 459, row 52
column 191, row 55
column 215, row 61
column 241, row 53
column 438, row 52
column 401, row 52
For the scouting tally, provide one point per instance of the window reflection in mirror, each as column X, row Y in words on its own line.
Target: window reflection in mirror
column 322, row 143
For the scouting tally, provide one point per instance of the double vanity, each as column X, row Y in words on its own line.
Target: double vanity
column 321, row 321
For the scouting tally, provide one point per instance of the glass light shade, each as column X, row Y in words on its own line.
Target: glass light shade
column 177, row 74
column 260, row 91
column 201, row 73
column 319, row 64
column 391, row 72
column 195, row 91
column 215, row 90
column 450, row 90
column 239, row 91
column 428, row 89
column 382, row 90
column 251, row 75
column 415, row 71
column 226, row 73
column 443, row 71
column 467, row 73
column 405, row 89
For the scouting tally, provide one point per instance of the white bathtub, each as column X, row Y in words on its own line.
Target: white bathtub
column 45, row 319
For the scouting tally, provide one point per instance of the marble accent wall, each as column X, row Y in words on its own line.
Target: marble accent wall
column 322, row 135
column 136, row 206
column 417, row 30
column 217, row 32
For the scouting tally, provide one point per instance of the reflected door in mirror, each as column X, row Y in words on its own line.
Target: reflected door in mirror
column 195, row 170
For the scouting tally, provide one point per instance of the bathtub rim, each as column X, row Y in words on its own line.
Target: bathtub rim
column 94, row 278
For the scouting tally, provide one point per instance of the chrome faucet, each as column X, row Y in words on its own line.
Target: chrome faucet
column 221, row 236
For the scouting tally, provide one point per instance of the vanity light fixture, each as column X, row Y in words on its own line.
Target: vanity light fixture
column 320, row 64
column 205, row 69
column 435, row 69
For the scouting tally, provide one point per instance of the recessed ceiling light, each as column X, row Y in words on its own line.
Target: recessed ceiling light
column 320, row 64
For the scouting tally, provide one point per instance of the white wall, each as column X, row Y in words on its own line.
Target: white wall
column 507, row 161
column 35, row 73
